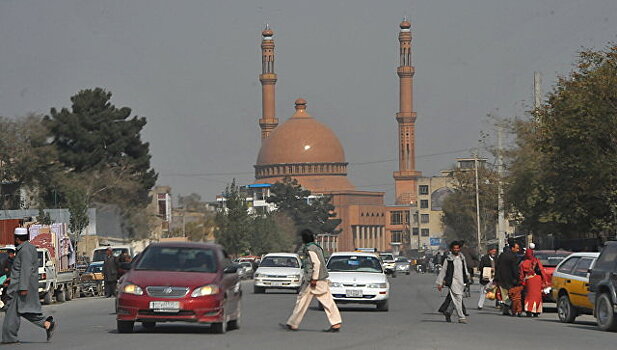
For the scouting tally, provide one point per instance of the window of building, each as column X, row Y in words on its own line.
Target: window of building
column 424, row 203
column 414, row 231
column 396, row 218
column 424, row 218
column 406, row 217
column 397, row 236
column 425, row 232
column 423, row 189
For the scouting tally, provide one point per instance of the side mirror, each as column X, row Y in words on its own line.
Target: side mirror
column 49, row 263
column 231, row 269
column 589, row 271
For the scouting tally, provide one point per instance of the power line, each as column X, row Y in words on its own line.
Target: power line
column 351, row 164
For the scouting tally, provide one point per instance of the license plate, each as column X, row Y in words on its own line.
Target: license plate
column 277, row 284
column 165, row 306
column 353, row 293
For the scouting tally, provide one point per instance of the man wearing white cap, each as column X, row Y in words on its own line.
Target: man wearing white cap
column 23, row 292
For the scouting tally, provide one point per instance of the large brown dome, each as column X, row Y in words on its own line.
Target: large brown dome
column 301, row 139
column 306, row 149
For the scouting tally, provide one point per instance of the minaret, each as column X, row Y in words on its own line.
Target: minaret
column 405, row 177
column 267, row 77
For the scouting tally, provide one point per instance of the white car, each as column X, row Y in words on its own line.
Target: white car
column 280, row 271
column 358, row 278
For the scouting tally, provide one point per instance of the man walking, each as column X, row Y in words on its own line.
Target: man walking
column 487, row 274
column 507, row 278
column 318, row 287
column 453, row 275
column 110, row 273
column 23, row 292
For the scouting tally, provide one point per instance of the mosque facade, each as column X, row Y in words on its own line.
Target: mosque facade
column 304, row 148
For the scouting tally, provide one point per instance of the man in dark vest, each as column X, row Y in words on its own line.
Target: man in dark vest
column 23, row 291
column 455, row 276
column 316, row 285
column 110, row 273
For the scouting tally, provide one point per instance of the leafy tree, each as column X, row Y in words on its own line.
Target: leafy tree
column 459, row 208
column 94, row 135
column 270, row 234
column 291, row 199
column 566, row 185
column 233, row 222
column 26, row 159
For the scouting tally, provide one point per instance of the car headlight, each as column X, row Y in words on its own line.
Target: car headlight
column 296, row 277
column 257, row 275
column 209, row 289
column 132, row 289
column 378, row 285
column 336, row 284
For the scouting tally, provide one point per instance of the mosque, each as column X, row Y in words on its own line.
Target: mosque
column 306, row 149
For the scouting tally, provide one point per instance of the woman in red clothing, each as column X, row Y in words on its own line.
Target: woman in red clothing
column 533, row 281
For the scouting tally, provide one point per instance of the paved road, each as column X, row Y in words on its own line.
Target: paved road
column 412, row 323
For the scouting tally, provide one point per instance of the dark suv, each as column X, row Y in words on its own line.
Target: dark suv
column 603, row 287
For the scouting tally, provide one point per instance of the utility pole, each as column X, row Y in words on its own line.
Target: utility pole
column 478, row 232
column 501, row 222
column 537, row 93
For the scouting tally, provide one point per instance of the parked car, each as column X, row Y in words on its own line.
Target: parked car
column 603, row 288
column 570, row 285
column 389, row 263
column 550, row 259
column 92, row 280
column 280, row 271
column 180, row 281
column 358, row 278
column 247, row 270
column 403, row 265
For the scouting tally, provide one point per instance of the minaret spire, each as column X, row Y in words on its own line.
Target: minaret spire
column 267, row 78
column 405, row 177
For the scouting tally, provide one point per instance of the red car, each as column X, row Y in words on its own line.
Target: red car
column 180, row 281
column 550, row 259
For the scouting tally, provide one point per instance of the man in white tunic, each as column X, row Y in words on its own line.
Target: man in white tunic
column 454, row 276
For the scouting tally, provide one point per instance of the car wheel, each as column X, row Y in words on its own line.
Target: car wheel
column 383, row 305
column 69, row 293
column 407, row 273
column 605, row 316
column 48, row 298
column 219, row 327
column 566, row 312
column 61, row 296
column 148, row 325
column 259, row 290
column 125, row 326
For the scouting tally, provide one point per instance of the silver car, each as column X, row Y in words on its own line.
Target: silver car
column 402, row 265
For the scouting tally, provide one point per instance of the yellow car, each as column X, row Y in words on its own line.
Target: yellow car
column 571, row 285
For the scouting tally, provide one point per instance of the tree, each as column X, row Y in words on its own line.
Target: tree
column 94, row 135
column 566, row 185
column 459, row 208
column 292, row 200
column 26, row 159
column 233, row 222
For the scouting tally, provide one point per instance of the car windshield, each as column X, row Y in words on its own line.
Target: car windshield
column 246, row 263
column 387, row 257
column 352, row 263
column 279, row 261
column 402, row 259
column 95, row 268
column 99, row 254
column 551, row 259
column 184, row 259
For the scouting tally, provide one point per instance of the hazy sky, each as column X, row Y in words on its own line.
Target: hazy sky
column 191, row 68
